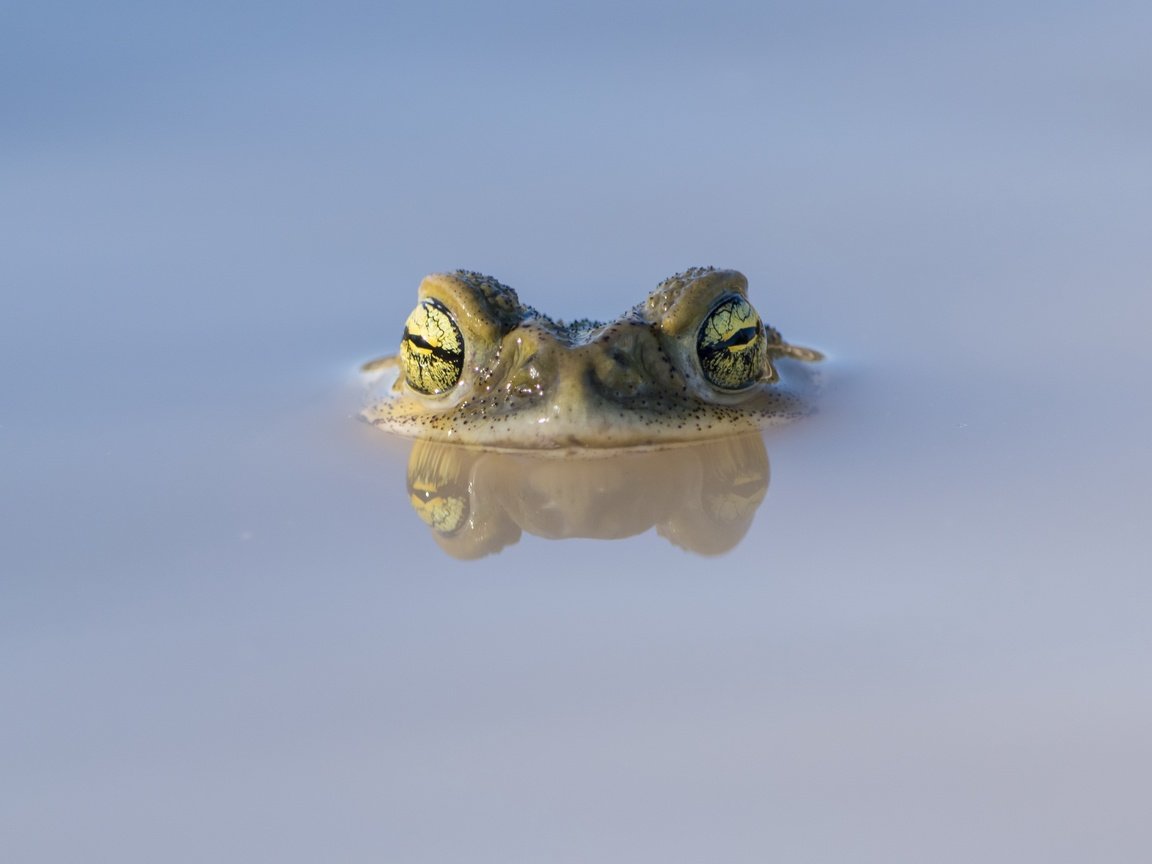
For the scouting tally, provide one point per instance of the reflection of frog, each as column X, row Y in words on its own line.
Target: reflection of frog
column 693, row 361
column 702, row 497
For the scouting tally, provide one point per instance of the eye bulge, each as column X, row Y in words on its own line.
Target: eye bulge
column 731, row 346
column 431, row 349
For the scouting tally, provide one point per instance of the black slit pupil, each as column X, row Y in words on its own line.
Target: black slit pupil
column 741, row 337
column 420, row 342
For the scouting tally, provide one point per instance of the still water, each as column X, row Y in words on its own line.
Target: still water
column 910, row 627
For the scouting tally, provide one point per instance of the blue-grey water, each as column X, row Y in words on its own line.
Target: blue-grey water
column 225, row 635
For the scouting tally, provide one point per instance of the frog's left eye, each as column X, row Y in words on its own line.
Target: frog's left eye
column 731, row 345
column 432, row 349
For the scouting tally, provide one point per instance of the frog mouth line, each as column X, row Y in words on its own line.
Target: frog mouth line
column 603, row 419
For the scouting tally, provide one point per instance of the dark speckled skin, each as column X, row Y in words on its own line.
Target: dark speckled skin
column 531, row 382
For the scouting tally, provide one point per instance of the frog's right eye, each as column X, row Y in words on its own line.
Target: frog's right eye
column 731, row 347
column 432, row 349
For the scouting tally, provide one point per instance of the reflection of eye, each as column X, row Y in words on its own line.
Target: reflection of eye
column 432, row 349
column 731, row 345
column 441, row 510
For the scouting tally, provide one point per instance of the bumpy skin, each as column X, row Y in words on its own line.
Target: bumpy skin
column 530, row 382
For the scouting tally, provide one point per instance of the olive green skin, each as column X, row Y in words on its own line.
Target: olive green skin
column 692, row 362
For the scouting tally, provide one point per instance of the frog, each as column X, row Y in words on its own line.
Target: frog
column 691, row 362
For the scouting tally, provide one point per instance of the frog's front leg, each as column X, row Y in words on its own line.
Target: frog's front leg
column 381, row 364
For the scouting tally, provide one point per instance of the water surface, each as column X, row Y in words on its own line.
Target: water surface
column 226, row 634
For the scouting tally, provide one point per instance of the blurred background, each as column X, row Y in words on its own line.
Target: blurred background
column 224, row 633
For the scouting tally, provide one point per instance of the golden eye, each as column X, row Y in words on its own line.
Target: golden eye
column 731, row 345
column 432, row 349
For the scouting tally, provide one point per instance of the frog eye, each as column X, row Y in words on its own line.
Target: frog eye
column 731, row 345
column 432, row 349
